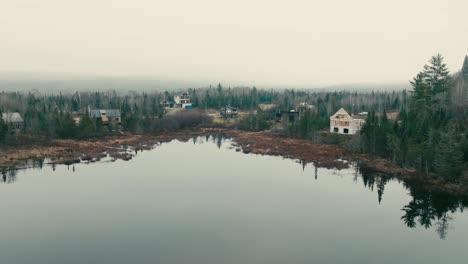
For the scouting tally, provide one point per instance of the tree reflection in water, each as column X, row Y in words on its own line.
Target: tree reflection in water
column 8, row 175
column 427, row 208
column 431, row 209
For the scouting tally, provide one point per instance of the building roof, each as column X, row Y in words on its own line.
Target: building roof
column 305, row 105
column 228, row 108
column 341, row 114
column 265, row 107
column 96, row 113
column 184, row 95
column 361, row 115
column 14, row 117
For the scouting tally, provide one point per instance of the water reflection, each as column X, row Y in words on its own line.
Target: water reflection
column 426, row 209
column 378, row 180
column 219, row 139
column 431, row 209
column 8, row 175
column 9, row 172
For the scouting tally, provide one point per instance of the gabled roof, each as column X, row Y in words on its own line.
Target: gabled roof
column 341, row 114
column 14, row 117
column 229, row 108
column 112, row 112
column 305, row 105
column 184, row 95
column 96, row 113
column 362, row 115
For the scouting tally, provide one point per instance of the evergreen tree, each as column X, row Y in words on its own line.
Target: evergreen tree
column 465, row 68
column 369, row 133
column 448, row 156
column 86, row 127
column 66, row 127
column 383, row 131
column 3, row 128
column 436, row 75
column 305, row 123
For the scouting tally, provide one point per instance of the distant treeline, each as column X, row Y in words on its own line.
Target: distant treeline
column 51, row 116
column 429, row 133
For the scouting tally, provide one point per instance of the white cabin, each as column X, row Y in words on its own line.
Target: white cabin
column 14, row 121
column 183, row 101
column 343, row 123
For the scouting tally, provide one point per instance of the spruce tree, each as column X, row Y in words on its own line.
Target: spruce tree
column 383, row 131
column 465, row 68
column 436, row 75
column 448, row 156
column 3, row 128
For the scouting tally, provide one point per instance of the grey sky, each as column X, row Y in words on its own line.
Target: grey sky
column 245, row 41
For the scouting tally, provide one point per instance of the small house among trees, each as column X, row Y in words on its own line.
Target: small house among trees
column 343, row 123
column 14, row 121
column 180, row 101
column 167, row 104
column 304, row 106
column 183, row 101
column 228, row 112
column 287, row 116
column 106, row 116
column 392, row 114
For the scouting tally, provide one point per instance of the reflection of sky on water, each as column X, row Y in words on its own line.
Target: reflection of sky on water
column 203, row 202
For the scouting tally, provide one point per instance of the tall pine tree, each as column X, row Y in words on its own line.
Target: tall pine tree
column 465, row 68
column 3, row 128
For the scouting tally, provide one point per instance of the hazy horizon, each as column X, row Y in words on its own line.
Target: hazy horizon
column 71, row 83
column 262, row 43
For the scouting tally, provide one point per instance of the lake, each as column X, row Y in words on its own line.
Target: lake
column 201, row 201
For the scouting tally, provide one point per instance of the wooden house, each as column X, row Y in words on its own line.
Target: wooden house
column 14, row 121
column 287, row 116
column 343, row 123
column 107, row 116
column 228, row 111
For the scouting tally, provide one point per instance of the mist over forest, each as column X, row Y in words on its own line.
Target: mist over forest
column 51, row 84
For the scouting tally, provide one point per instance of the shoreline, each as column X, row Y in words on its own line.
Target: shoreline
column 70, row 151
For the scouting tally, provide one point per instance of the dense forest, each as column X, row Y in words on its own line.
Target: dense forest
column 50, row 116
column 429, row 133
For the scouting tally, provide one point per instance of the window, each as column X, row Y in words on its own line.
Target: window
column 335, row 129
column 346, row 131
column 341, row 123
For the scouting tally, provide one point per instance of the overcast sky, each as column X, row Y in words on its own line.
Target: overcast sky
column 268, row 42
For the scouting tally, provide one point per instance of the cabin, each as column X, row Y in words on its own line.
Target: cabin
column 266, row 107
column 304, row 106
column 228, row 112
column 14, row 121
column 77, row 116
column 107, row 116
column 287, row 116
column 392, row 114
column 343, row 123
column 167, row 104
column 183, row 101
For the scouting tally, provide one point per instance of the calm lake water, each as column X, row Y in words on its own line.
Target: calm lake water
column 203, row 202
